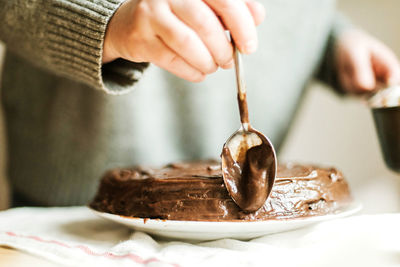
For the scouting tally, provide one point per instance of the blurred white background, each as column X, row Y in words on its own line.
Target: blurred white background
column 333, row 131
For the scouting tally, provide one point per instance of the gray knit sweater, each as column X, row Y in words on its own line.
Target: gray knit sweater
column 64, row 130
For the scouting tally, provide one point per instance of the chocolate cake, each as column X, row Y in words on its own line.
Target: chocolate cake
column 196, row 192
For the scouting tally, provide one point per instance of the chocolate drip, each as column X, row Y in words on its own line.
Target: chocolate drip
column 243, row 109
column 248, row 181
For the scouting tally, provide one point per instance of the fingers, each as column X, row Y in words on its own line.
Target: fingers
column 182, row 40
column 239, row 21
column 200, row 17
column 386, row 64
column 363, row 62
column 185, row 37
column 354, row 63
column 167, row 59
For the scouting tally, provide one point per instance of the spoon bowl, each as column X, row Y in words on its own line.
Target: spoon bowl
column 249, row 168
column 248, row 157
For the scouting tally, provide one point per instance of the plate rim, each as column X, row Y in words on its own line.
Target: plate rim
column 352, row 208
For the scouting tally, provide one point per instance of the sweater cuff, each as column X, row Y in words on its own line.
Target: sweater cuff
column 75, row 35
column 327, row 72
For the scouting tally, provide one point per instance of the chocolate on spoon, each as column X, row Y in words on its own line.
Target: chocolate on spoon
column 248, row 158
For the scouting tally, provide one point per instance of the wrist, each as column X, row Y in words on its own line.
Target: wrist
column 110, row 52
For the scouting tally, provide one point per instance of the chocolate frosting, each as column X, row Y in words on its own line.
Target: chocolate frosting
column 196, row 192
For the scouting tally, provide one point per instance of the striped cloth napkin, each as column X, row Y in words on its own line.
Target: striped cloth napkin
column 76, row 237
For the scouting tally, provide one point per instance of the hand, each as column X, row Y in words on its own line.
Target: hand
column 185, row 37
column 363, row 62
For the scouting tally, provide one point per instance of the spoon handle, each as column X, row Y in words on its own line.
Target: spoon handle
column 241, row 87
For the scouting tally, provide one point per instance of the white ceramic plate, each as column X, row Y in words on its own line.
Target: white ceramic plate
column 195, row 230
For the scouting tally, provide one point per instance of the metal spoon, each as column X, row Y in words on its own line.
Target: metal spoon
column 248, row 157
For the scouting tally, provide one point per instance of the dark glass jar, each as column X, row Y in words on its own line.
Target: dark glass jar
column 387, row 123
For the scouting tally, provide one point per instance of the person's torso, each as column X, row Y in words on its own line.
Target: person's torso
column 62, row 135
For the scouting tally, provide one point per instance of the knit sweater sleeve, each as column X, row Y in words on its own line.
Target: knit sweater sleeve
column 327, row 71
column 66, row 37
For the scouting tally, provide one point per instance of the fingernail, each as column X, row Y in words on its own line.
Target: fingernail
column 368, row 85
column 199, row 78
column 250, row 47
column 367, row 81
column 228, row 65
column 260, row 7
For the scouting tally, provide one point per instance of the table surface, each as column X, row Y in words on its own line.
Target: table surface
column 14, row 258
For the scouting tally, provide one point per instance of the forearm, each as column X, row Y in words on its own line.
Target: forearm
column 66, row 37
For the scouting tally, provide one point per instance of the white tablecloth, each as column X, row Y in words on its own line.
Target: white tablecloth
column 76, row 237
